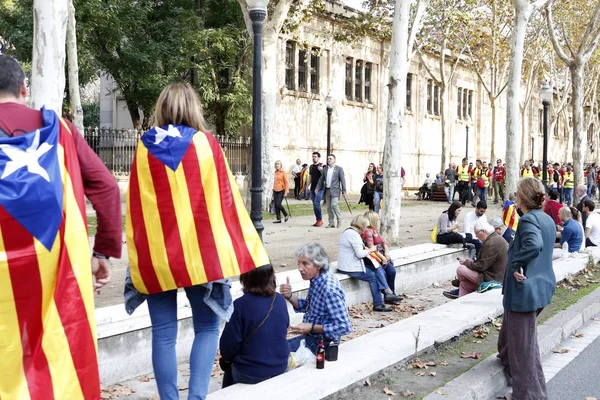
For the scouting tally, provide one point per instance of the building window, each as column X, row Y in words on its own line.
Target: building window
column 464, row 102
column 557, row 129
column 302, row 77
column 436, row 99
column 349, row 78
column 289, row 65
column 314, row 70
column 409, row 91
column 368, row 69
column 590, row 133
column 470, row 104
column 459, row 104
column 541, row 121
column 429, row 96
column 358, row 81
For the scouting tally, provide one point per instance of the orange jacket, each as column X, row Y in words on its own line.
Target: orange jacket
column 281, row 182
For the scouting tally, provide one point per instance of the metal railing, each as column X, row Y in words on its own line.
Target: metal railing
column 116, row 148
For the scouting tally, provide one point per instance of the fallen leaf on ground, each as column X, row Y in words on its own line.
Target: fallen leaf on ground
column 144, row 378
column 578, row 335
column 408, row 393
column 480, row 334
column 441, row 393
column 589, row 398
column 155, row 397
column 561, row 351
column 470, row 354
column 388, row 391
column 367, row 382
column 444, row 363
column 431, row 363
column 433, row 373
column 416, row 363
column 420, row 374
column 476, row 341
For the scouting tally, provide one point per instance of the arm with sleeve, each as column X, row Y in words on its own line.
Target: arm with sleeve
column 531, row 246
column 339, row 324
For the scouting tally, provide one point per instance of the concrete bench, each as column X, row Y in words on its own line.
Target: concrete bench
column 393, row 344
column 123, row 337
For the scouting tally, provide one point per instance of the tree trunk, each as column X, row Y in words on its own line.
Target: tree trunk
column 493, row 147
column 578, row 134
column 269, row 106
column 48, row 58
column 513, row 120
column 134, row 112
column 523, row 138
column 73, row 68
column 445, row 155
column 392, row 184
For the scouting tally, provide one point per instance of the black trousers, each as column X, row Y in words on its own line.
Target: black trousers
column 296, row 186
column 463, row 190
column 278, row 199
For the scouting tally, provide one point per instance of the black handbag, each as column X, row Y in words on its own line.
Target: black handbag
column 226, row 364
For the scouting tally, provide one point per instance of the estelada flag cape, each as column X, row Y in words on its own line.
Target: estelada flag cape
column 186, row 220
column 510, row 217
column 47, row 328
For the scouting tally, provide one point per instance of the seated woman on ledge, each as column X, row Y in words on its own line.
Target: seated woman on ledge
column 254, row 340
column 449, row 227
column 324, row 308
column 351, row 261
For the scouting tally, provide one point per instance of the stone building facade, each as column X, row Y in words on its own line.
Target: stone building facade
column 311, row 66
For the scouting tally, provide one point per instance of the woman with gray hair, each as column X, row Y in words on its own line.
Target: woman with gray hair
column 490, row 264
column 324, row 308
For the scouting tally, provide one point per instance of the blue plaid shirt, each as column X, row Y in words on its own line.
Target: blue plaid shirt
column 326, row 305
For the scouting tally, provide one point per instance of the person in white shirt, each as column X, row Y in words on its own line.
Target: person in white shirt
column 473, row 218
column 592, row 225
column 296, row 171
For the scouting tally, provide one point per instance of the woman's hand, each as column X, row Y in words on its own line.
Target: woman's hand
column 303, row 328
column 519, row 276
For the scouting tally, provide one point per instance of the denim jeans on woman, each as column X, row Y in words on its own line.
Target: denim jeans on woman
column 377, row 197
column 376, row 279
column 163, row 314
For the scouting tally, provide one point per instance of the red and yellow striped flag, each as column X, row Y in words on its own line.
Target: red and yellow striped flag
column 186, row 220
column 510, row 217
column 47, row 328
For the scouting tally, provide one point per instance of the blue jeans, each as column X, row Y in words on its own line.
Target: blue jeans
column 590, row 187
column 568, row 195
column 377, row 197
column 449, row 192
column 311, row 341
column 482, row 194
column 233, row 376
column 376, row 280
column 316, row 200
column 390, row 275
column 163, row 314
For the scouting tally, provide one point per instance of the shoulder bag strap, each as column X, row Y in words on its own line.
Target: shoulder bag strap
column 263, row 321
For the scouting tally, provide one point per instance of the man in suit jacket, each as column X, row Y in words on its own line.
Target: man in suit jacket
column 334, row 183
column 581, row 193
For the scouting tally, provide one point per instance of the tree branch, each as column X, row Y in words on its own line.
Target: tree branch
column 416, row 25
column 429, row 71
column 559, row 51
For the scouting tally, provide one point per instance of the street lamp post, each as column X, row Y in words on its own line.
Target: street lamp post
column 467, row 138
column 532, row 146
column 546, row 94
column 329, row 105
column 258, row 12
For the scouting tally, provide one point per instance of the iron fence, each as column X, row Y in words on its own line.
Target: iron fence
column 116, row 148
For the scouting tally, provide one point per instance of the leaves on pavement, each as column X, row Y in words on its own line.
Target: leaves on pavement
column 561, row 351
column 408, row 393
column 367, row 382
column 470, row 354
column 388, row 391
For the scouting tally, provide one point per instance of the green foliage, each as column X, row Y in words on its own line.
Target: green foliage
column 91, row 114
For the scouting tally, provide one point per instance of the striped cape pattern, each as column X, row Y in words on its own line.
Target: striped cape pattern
column 47, row 328
column 510, row 217
column 186, row 220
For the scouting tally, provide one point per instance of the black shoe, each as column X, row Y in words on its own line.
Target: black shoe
column 277, row 222
column 286, row 218
column 382, row 308
column 391, row 298
column 451, row 294
column 455, row 282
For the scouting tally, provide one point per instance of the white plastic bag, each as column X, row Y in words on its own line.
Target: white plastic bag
column 301, row 356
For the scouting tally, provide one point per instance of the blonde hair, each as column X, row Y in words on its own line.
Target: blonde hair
column 179, row 104
column 360, row 222
column 280, row 164
column 531, row 193
column 373, row 218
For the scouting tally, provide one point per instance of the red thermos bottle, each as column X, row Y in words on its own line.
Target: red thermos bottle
column 321, row 355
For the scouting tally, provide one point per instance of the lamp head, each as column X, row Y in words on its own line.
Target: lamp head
column 329, row 100
column 257, row 4
column 546, row 92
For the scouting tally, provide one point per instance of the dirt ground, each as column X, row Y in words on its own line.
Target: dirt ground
column 282, row 240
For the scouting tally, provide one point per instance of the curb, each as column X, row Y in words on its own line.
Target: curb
column 487, row 378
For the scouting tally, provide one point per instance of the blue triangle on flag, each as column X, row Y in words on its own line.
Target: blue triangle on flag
column 169, row 144
column 31, row 187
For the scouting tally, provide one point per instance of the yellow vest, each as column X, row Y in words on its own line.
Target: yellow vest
column 463, row 173
column 569, row 182
column 527, row 174
column 485, row 177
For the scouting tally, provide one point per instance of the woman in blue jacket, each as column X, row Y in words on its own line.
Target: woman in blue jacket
column 254, row 342
column 529, row 284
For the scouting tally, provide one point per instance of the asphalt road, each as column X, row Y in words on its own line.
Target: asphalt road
column 579, row 379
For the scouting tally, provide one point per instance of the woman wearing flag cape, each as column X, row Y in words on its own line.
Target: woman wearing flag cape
column 186, row 229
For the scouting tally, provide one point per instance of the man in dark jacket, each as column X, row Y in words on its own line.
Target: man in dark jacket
column 490, row 264
column 507, row 233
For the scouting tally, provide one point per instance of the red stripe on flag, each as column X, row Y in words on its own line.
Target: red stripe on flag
column 26, row 282
column 206, row 241
column 76, row 324
column 140, row 235
column 168, row 220
column 66, row 140
column 232, row 221
column 512, row 219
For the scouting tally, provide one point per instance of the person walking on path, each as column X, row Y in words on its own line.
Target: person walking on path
column 314, row 175
column 499, row 179
column 296, row 173
column 280, row 190
column 165, row 188
column 334, row 183
column 529, row 284
column 47, row 324
column 449, row 182
column 464, row 178
column 569, row 185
